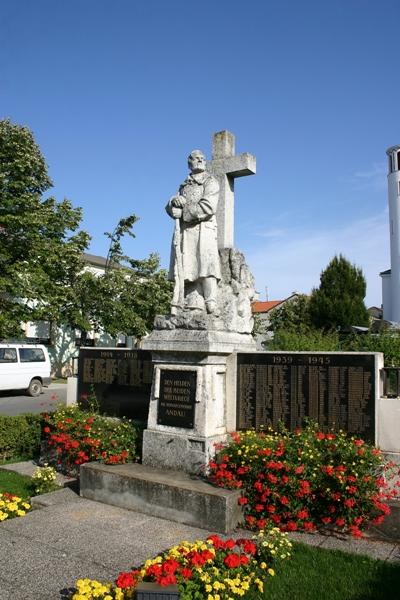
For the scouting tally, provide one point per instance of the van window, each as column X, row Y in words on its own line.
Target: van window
column 31, row 355
column 8, row 355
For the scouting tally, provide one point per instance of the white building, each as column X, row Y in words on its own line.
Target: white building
column 391, row 277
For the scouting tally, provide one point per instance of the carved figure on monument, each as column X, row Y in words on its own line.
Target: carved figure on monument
column 195, row 263
column 213, row 285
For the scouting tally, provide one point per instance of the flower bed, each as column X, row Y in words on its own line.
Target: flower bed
column 213, row 570
column 305, row 480
column 12, row 506
column 73, row 437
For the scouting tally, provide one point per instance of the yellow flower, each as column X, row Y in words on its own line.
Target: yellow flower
column 271, row 572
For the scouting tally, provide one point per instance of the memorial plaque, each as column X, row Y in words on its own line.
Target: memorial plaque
column 120, row 378
column 177, row 398
column 336, row 390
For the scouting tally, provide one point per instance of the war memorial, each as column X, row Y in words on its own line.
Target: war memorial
column 198, row 375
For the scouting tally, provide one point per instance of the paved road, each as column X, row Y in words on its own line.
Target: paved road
column 15, row 403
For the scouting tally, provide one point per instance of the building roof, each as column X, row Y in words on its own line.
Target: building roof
column 93, row 259
column 264, row 307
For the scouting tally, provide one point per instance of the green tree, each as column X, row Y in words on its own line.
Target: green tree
column 127, row 297
column 40, row 244
column 338, row 303
column 293, row 315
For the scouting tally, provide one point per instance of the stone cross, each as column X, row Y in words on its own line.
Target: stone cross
column 226, row 166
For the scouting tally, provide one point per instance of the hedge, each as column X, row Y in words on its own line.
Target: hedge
column 20, row 436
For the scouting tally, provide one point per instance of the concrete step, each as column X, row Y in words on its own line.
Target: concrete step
column 166, row 494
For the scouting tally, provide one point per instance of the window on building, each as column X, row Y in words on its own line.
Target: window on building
column 8, row 355
column 31, row 355
column 398, row 161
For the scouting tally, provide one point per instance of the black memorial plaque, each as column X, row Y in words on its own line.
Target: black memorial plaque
column 120, row 378
column 177, row 398
column 336, row 390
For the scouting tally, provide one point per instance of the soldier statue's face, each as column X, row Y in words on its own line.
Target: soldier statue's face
column 197, row 162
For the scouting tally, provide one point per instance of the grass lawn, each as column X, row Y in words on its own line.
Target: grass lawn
column 317, row 574
column 20, row 485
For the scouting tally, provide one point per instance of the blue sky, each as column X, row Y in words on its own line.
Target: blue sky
column 118, row 93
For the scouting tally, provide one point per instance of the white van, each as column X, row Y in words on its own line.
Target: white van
column 24, row 367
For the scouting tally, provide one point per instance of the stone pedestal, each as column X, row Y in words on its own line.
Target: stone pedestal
column 193, row 404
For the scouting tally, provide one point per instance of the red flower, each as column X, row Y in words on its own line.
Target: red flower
column 154, row 571
column 186, row 573
column 358, row 443
column 264, row 452
column 328, row 470
column 216, row 541
column 302, row 514
column 197, row 559
column 125, row 580
column 326, row 520
column 166, row 580
column 349, row 502
column 248, row 546
column 299, row 470
column 340, row 522
column 242, row 500
column 291, row 526
column 170, row 566
column 261, row 523
column 354, row 530
column 276, row 519
column 46, row 429
column 378, row 520
column 232, row 561
column 250, row 520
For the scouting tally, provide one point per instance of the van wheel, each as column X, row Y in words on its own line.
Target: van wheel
column 35, row 388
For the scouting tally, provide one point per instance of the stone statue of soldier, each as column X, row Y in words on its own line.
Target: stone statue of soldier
column 195, row 263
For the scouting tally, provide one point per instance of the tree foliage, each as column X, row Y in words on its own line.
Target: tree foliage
column 40, row 243
column 42, row 273
column 338, row 303
column 293, row 315
column 127, row 297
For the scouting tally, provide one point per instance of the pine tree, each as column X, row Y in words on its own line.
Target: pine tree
column 338, row 303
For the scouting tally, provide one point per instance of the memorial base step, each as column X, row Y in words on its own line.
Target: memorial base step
column 166, row 494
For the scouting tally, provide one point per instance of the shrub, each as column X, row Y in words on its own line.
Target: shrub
column 214, row 568
column 44, row 480
column 304, row 340
column 20, row 436
column 305, row 480
column 73, row 437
